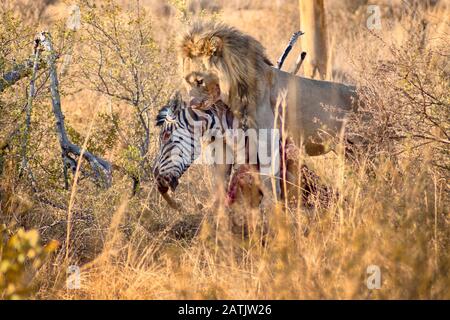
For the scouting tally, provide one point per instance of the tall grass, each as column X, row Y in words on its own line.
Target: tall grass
column 395, row 221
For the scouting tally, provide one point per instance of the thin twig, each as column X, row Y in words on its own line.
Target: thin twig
column 31, row 95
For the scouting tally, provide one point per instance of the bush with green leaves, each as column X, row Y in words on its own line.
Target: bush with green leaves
column 20, row 254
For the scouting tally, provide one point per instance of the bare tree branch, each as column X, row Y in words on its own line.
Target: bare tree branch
column 101, row 167
column 19, row 72
column 31, row 95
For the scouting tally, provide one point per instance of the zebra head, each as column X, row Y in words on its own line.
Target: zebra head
column 183, row 130
column 172, row 159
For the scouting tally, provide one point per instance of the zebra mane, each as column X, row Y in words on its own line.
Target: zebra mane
column 169, row 111
column 163, row 115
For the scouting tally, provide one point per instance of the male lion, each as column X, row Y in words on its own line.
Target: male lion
column 218, row 61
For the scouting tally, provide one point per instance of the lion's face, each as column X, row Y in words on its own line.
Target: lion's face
column 202, row 84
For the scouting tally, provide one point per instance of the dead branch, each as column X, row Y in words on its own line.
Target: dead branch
column 19, row 72
column 101, row 167
column 31, row 94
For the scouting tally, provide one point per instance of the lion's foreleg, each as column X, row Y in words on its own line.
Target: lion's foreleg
column 222, row 173
column 268, row 148
column 222, row 170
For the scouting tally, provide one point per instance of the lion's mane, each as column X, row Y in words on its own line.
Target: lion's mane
column 237, row 59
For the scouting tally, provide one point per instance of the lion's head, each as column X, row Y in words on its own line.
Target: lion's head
column 205, row 92
column 219, row 61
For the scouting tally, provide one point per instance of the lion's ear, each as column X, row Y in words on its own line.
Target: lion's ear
column 216, row 45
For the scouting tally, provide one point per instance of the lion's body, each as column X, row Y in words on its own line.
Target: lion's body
column 213, row 54
column 314, row 109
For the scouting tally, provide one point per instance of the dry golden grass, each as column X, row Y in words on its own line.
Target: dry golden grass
column 395, row 221
column 392, row 214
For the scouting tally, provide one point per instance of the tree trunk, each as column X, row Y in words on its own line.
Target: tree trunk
column 314, row 42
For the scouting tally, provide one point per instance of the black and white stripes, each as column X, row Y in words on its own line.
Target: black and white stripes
column 183, row 131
